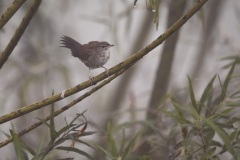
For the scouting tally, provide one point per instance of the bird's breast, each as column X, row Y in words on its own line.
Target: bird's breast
column 97, row 60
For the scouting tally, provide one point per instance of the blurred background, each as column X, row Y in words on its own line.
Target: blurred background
column 38, row 65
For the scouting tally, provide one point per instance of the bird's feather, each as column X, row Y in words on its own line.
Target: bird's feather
column 77, row 49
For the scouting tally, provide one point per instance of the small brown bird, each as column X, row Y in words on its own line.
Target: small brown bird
column 94, row 54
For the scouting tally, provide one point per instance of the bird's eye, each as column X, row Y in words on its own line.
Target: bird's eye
column 103, row 46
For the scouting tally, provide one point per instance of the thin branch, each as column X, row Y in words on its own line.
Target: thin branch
column 11, row 10
column 19, row 32
column 56, row 113
column 125, row 64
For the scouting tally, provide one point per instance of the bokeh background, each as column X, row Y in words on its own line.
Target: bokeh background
column 38, row 65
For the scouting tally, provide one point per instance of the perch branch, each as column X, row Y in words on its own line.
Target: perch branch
column 56, row 113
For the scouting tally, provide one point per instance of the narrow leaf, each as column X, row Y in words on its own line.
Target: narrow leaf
column 21, row 154
column 130, row 146
column 192, row 96
column 211, row 151
column 111, row 142
column 53, row 132
column 71, row 149
column 207, row 91
column 85, row 143
column 178, row 107
column 223, row 135
column 176, row 117
column 226, row 82
column 123, row 140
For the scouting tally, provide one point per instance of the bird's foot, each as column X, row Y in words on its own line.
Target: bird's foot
column 107, row 71
column 90, row 77
column 63, row 94
column 91, row 80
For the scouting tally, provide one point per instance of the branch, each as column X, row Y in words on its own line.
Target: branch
column 11, row 10
column 125, row 64
column 56, row 113
column 19, row 32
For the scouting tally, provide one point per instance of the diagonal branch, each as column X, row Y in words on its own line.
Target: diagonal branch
column 11, row 10
column 19, row 32
column 125, row 64
column 68, row 106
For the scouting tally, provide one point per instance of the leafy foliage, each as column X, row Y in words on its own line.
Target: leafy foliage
column 57, row 138
column 121, row 148
column 203, row 122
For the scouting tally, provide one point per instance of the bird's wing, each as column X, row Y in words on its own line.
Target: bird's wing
column 77, row 49
column 91, row 46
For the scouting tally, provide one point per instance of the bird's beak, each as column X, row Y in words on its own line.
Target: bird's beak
column 111, row 45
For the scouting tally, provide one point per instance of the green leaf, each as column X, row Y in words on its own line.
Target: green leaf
column 104, row 151
column 69, row 158
column 44, row 122
column 233, row 104
column 211, row 151
column 40, row 145
column 188, row 142
column 194, row 113
column 112, row 147
column 65, row 128
column 227, row 111
column 6, row 134
column 21, row 154
column 234, row 59
column 226, row 82
column 27, row 147
column 192, row 96
column 85, row 143
column 130, row 146
column 78, row 115
column 215, row 143
column 220, row 115
column 223, row 135
column 88, row 133
column 71, row 149
column 178, row 107
column 177, row 118
column 123, row 140
column 143, row 157
column 53, row 132
column 209, row 105
column 208, row 134
column 131, row 124
column 207, row 91
column 234, row 135
column 235, row 94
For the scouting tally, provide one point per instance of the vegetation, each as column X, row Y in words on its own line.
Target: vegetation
column 175, row 126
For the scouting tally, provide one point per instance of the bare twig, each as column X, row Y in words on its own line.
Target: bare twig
column 11, row 10
column 19, row 32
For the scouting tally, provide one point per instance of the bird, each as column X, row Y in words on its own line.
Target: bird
column 94, row 54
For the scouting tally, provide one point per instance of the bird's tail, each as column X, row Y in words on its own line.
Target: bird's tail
column 76, row 48
column 69, row 42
